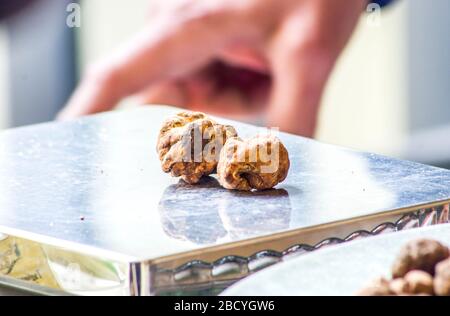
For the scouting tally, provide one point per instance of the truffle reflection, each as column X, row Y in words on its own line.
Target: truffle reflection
column 247, row 214
column 181, row 216
column 231, row 215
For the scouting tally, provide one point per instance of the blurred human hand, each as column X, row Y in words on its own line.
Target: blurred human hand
column 235, row 58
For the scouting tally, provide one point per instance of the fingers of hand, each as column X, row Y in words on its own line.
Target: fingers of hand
column 302, row 57
column 162, row 51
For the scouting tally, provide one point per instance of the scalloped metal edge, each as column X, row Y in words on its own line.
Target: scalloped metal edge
column 232, row 268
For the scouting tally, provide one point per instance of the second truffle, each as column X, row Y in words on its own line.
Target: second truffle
column 255, row 164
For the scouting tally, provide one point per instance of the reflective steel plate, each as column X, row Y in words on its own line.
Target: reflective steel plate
column 94, row 186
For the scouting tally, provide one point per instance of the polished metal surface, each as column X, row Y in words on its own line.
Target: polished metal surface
column 231, row 268
column 341, row 270
column 91, row 192
column 14, row 287
column 96, row 184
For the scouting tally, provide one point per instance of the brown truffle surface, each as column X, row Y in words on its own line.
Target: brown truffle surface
column 421, row 269
column 442, row 278
column 258, row 163
column 399, row 286
column 379, row 287
column 189, row 145
column 421, row 254
column 419, row 282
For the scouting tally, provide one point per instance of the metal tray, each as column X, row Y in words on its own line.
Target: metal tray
column 338, row 271
column 88, row 207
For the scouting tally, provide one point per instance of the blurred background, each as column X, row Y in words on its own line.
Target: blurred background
column 389, row 93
